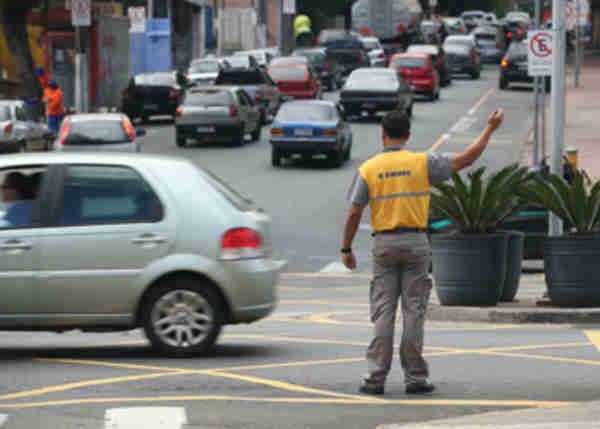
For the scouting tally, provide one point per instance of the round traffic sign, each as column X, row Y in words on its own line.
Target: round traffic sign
column 541, row 44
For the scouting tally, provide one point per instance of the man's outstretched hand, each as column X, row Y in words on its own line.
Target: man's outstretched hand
column 496, row 119
column 349, row 260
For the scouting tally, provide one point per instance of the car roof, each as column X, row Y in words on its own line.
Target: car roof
column 219, row 88
column 460, row 37
column 289, row 65
column 411, row 55
column 80, row 117
column 327, row 103
column 425, row 48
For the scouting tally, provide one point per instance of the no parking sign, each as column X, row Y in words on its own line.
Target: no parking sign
column 539, row 53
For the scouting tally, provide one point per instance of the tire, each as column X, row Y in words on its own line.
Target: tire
column 548, row 86
column 180, row 141
column 145, row 119
column 409, row 110
column 256, row 133
column 348, row 152
column 21, row 147
column 475, row 75
column 276, row 157
column 437, row 94
column 239, row 141
column 432, row 96
column 337, row 158
column 332, row 85
column 189, row 297
column 503, row 83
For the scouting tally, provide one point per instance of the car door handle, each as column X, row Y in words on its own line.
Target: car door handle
column 149, row 239
column 15, row 245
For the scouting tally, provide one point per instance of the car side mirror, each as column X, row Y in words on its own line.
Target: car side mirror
column 140, row 132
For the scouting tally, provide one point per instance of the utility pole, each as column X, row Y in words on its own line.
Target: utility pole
column 288, row 10
column 537, row 82
column 578, row 47
column 559, row 49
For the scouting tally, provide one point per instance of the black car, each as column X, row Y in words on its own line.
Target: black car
column 514, row 67
column 372, row 90
column 463, row 60
column 150, row 94
column 324, row 65
column 350, row 54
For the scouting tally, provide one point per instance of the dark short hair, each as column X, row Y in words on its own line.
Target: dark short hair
column 396, row 125
column 18, row 181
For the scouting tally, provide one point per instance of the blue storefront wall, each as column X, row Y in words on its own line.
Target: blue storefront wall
column 151, row 50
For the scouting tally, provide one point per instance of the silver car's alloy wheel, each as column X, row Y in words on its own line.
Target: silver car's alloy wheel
column 182, row 318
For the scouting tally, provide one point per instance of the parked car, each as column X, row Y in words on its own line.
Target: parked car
column 472, row 18
column 463, row 60
column 296, row 81
column 455, row 25
column 217, row 114
column 262, row 57
column 439, row 60
column 242, row 62
column 418, row 70
column 129, row 242
column 309, row 128
column 259, row 86
column 350, row 54
column 150, row 94
column 205, row 71
column 18, row 130
column 375, row 51
column 490, row 43
column 98, row 132
column 514, row 67
column 324, row 65
column 369, row 91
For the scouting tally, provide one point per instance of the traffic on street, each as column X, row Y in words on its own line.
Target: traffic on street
column 193, row 253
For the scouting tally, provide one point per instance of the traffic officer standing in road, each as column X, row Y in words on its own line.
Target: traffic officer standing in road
column 396, row 185
column 55, row 110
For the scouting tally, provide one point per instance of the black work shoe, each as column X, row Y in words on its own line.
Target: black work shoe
column 419, row 388
column 371, row 389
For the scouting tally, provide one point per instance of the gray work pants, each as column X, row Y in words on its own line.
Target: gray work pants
column 401, row 265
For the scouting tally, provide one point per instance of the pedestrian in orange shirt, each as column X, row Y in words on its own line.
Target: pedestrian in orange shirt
column 53, row 97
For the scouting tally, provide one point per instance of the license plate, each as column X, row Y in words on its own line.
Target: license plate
column 368, row 106
column 303, row 132
column 150, row 106
column 205, row 129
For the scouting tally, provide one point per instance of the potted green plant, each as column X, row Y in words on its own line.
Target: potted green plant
column 472, row 264
column 571, row 260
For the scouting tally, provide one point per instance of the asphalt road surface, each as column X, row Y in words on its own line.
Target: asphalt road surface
column 301, row 367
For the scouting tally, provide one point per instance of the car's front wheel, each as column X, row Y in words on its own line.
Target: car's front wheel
column 183, row 317
column 276, row 157
column 180, row 141
column 256, row 133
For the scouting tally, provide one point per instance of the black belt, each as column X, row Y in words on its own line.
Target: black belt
column 401, row 231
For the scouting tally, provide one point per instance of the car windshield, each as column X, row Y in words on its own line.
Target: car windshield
column 370, row 79
column 239, row 61
column 426, row 49
column 289, row 60
column 302, row 112
column 345, row 44
column 155, row 79
column 4, row 113
column 96, row 131
column 457, row 42
column 243, row 77
column 258, row 55
column 204, row 67
column 457, row 50
column 207, row 98
column 517, row 16
column 288, row 73
column 472, row 15
column 410, row 63
column 371, row 44
column 314, row 57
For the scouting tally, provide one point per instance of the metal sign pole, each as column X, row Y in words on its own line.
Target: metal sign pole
column 577, row 42
column 559, row 48
column 537, row 81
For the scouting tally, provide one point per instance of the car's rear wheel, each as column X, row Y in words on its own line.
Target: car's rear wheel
column 22, row 146
column 337, row 158
column 183, row 317
column 256, row 133
column 180, row 140
column 409, row 110
column 503, row 83
column 276, row 157
column 476, row 75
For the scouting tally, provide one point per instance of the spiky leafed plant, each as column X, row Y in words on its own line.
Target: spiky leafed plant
column 576, row 204
column 479, row 204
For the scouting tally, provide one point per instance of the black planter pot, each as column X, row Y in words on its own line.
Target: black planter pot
column 514, row 265
column 573, row 270
column 469, row 270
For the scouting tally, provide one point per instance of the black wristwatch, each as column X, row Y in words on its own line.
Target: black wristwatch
column 346, row 250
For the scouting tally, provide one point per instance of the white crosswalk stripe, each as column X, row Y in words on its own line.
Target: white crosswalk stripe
column 145, row 418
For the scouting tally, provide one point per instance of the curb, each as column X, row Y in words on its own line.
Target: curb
column 525, row 314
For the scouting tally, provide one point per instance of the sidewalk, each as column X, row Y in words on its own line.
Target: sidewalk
column 584, row 416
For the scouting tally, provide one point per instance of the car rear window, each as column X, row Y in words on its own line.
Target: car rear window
column 517, row 50
column 316, row 58
column 295, row 112
column 204, row 67
column 4, row 113
column 410, row 63
column 239, row 201
column 425, row 49
column 239, row 61
column 155, row 79
column 208, row 98
column 457, row 50
column 241, row 77
column 288, row 73
column 92, row 132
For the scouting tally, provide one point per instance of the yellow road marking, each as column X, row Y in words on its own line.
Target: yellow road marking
column 443, row 139
column 594, row 337
column 110, row 364
column 542, row 357
column 531, row 347
column 86, row 383
column 318, row 401
column 326, row 276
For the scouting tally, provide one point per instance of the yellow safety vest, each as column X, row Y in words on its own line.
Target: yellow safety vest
column 399, row 190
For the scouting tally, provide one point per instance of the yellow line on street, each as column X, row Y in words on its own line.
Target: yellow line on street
column 594, row 337
column 86, row 383
column 303, row 340
column 541, row 357
column 443, row 139
column 317, row 401
column 110, row 364
column 482, row 100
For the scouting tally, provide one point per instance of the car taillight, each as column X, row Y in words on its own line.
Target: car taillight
column 258, row 96
column 128, row 129
column 463, row 30
column 509, row 35
column 233, row 111
column 381, row 56
column 8, row 129
column 276, row 131
column 179, row 111
column 519, row 32
column 174, row 93
column 504, row 63
column 64, row 132
column 125, row 93
column 241, row 243
column 330, row 132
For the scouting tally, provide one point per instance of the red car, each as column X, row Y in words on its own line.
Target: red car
column 296, row 81
column 418, row 70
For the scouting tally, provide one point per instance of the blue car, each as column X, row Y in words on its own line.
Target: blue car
column 309, row 128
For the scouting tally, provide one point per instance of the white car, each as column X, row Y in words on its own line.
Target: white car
column 98, row 132
column 18, row 130
column 468, row 41
column 205, row 71
column 262, row 56
column 375, row 51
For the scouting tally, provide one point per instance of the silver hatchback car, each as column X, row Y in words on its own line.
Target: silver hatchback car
column 103, row 242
